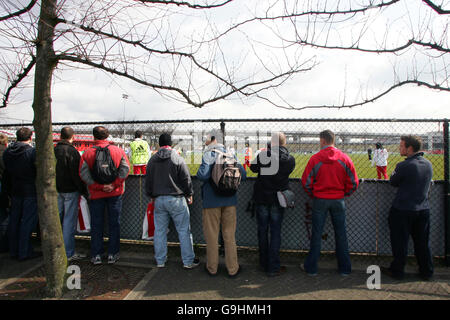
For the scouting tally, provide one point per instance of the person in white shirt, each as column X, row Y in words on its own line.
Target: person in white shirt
column 231, row 150
column 380, row 156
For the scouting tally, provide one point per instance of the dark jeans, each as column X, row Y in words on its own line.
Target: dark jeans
column 269, row 217
column 414, row 223
column 320, row 209
column 23, row 220
column 97, row 210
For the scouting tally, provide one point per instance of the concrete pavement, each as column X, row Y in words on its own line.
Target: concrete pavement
column 175, row 283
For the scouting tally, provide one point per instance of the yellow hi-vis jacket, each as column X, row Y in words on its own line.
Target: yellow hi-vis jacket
column 140, row 152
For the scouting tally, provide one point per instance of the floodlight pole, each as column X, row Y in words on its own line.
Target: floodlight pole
column 222, row 128
column 124, row 97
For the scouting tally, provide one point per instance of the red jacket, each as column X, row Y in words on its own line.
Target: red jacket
column 330, row 174
column 120, row 160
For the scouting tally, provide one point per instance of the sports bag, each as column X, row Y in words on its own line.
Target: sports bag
column 286, row 198
column 148, row 226
column 225, row 174
column 104, row 170
column 84, row 217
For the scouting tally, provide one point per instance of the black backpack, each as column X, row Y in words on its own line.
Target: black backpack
column 225, row 174
column 104, row 170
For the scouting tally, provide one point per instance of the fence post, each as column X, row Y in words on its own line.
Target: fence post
column 446, row 192
column 222, row 128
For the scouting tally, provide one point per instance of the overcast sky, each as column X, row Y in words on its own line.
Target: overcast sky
column 89, row 95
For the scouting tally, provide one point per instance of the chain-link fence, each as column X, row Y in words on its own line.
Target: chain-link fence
column 367, row 208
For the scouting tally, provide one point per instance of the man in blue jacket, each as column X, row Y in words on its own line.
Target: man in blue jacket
column 218, row 210
column 410, row 211
column 20, row 159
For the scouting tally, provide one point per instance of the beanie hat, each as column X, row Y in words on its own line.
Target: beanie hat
column 165, row 140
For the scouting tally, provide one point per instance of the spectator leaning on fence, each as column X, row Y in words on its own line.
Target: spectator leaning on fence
column 69, row 187
column 168, row 181
column 20, row 159
column 269, row 213
column 104, row 195
column 4, row 199
column 328, row 178
column 380, row 157
column 3, row 146
column 5, row 202
column 410, row 211
column 218, row 211
column 139, row 153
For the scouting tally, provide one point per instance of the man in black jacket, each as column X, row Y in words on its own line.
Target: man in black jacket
column 4, row 199
column 19, row 159
column 273, row 166
column 69, row 187
column 410, row 211
column 168, row 182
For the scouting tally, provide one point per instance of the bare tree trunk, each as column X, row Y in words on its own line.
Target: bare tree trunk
column 51, row 233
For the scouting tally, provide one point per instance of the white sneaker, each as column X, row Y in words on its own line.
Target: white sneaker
column 77, row 256
column 113, row 258
column 193, row 265
column 96, row 260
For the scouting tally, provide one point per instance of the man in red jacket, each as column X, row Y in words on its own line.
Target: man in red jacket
column 328, row 178
column 104, row 195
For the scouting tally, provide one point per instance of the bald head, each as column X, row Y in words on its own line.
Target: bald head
column 278, row 138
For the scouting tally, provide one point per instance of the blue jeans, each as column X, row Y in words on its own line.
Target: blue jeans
column 269, row 217
column 97, row 210
column 167, row 207
column 414, row 223
column 23, row 220
column 68, row 214
column 320, row 209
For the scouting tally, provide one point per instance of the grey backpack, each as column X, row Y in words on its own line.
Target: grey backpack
column 225, row 174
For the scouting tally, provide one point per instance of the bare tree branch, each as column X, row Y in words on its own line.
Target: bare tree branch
column 186, row 97
column 365, row 101
column 411, row 42
column 435, row 7
column 186, row 4
column 326, row 13
column 150, row 50
column 20, row 12
column 228, row 83
column 16, row 82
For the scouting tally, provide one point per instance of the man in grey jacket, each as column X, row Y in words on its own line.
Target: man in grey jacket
column 168, row 182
